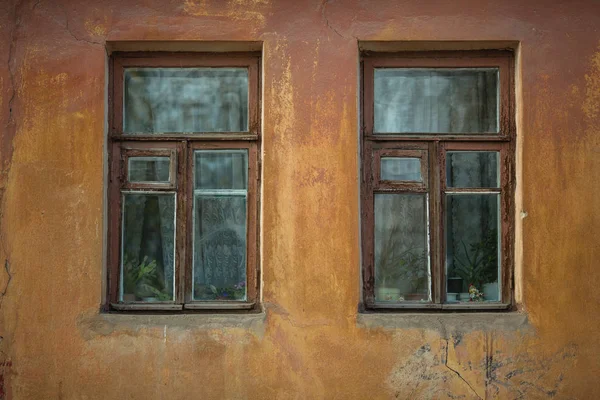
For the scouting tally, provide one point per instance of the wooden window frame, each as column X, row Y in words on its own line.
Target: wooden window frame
column 434, row 146
column 180, row 148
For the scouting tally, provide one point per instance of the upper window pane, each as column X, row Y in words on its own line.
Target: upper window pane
column 436, row 100
column 158, row 100
column 221, row 169
column 149, row 169
column 472, row 169
column 401, row 169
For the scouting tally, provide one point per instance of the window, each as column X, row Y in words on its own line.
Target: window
column 437, row 192
column 184, row 178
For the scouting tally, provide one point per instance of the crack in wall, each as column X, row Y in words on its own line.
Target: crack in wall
column 458, row 373
column 324, row 15
column 70, row 32
column 7, row 269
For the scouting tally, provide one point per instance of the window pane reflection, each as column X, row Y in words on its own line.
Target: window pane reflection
column 436, row 100
column 148, row 169
column 472, row 169
column 401, row 248
column 401, row 169
column 185, row 100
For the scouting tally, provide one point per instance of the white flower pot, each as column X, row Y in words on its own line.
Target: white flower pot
column 490, row 291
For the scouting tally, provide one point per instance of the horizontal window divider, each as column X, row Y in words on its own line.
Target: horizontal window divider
column 415, row 306
column 147, row 190
column 146, row 307
column 400, row 189
column 196, row 136
column 221, row 192
column 472, row 191
column 437, row 137
column 476, row 306
column 219, row 306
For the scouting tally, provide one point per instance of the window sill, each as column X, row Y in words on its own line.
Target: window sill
column 464, row 322
column 471, row 307
column 106, row 324
column 206, row 306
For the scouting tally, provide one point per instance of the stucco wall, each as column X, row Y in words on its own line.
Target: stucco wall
column 310, row 342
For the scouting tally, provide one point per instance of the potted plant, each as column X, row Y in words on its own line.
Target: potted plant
column 140, row 281
column 479, row 265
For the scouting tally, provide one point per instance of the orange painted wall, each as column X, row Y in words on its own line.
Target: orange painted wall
column 310, row 342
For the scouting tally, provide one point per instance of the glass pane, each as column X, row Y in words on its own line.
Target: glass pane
column 472, row 169
column 219, row 247
column 472, row 247
column 148, row 245
column 185, row 100
column 401, row 169
column 221, row 169
column 148, row 169
column 401, row 248
column 436, row 100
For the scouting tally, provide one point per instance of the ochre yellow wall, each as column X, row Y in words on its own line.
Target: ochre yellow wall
column 310, row 342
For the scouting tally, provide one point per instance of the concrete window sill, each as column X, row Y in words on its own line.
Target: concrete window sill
column 106, row 324
column 451, row 322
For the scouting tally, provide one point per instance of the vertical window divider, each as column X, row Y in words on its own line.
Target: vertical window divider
column 436, row 236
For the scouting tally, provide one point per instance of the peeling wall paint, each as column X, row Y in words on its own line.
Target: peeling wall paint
column 310, row 342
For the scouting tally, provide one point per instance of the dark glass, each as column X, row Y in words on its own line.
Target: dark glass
column 472, row 169
column 472, row 246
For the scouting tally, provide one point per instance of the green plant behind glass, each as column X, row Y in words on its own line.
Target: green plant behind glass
column 479, row 265
column 142, row 279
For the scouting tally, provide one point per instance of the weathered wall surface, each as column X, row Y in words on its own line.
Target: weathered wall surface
column 310, row 343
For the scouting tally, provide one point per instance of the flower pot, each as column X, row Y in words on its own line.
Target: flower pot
column 451, row 297
column 490, row 291
column 464, row 297
column 455, row 285
column 387, row 294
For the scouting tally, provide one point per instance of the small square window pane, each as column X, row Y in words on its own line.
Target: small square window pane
column 159, row 100
column 221, row 169
column 472, row 169
column 473, row 247
column 219, row 247
column 436, row 100
column 147, row 247
column 401, row 169
column 401, row 248
column 149, row 169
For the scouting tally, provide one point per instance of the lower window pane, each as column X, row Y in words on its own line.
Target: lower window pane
column 472, row 247
column 401, row 248
column 219, row 247
column 147, row 253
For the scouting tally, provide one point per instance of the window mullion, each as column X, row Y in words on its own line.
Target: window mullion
column 436, row 223
column 182, row 223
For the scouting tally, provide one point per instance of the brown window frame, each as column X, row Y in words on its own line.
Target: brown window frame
column 180, row 147
column 434, row 146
